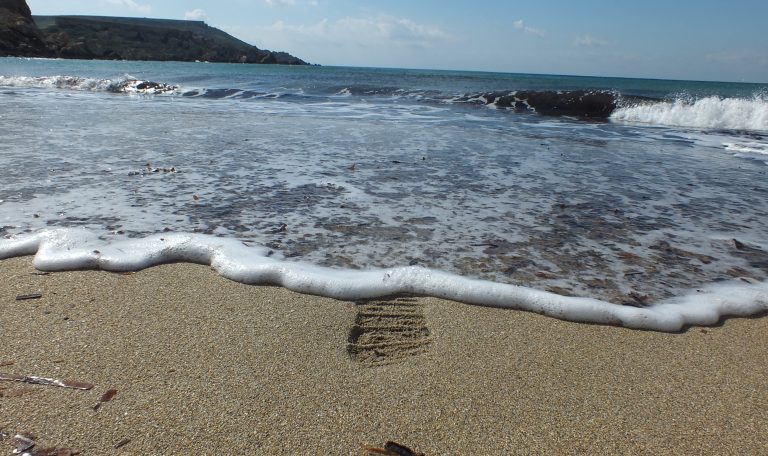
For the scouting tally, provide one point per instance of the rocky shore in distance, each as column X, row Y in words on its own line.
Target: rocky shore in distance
column 19, row 36
column 118, row 38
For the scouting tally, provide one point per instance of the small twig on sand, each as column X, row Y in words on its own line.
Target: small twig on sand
column 122, row 443
column 25, row 297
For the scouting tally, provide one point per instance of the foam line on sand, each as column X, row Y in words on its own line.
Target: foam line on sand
column 68, row 249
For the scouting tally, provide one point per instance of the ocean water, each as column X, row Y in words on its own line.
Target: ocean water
column 633, row 202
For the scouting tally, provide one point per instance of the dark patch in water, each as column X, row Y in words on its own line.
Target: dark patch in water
column 577, row 103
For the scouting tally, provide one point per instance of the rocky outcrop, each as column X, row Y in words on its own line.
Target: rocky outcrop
column 18, row 34
column 19, row 7
column 116, row 38
column 92, row 37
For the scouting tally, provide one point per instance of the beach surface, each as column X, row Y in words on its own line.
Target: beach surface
column 204, row 365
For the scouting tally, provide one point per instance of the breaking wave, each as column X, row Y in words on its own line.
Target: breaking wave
column 580, row 104
column 127, row 85
column 574, row 103
column 706, row 113
column 70, row 249
column 711, row 112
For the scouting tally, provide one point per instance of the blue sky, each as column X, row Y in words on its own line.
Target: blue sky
column 676, row 39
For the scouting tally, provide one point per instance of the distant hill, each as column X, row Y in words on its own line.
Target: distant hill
column 123, row 38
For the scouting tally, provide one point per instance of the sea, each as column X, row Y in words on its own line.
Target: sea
column 634, row 202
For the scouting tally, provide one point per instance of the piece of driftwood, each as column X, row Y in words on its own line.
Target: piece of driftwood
column 122, row 443
column 45, row 381
column 25, row 297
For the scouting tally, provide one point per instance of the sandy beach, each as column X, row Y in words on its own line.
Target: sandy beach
column 204, row 365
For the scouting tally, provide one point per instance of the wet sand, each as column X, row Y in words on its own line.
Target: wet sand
column 204, row 365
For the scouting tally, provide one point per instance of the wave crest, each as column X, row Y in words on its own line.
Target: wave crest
column 705, row 113
column 126, row 85
column 574, row 103
column 711, row 113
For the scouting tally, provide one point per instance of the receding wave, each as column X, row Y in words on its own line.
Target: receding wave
column 68, row 249
column 705, row 113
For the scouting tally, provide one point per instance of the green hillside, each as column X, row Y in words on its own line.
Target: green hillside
column 122, row 38
column 96, row 37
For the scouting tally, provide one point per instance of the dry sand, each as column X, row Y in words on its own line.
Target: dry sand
column 204, row 365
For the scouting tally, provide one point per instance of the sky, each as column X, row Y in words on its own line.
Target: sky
column 672, row 39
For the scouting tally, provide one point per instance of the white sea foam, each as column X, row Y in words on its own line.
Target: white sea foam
column 753, row 147
column 572, row 207
column 57, row 82
column 128, row 85
column 68, row 249
column 705, row 113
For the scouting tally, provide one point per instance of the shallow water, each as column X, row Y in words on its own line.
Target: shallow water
column 623, row 212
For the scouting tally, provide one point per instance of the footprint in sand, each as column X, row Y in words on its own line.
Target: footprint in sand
column 388, row 331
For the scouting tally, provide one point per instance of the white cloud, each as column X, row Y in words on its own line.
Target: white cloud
column 380, row 31
column 397, row 30
column 520, row 25
column 195, row 15
column 589, row 41
column 131, row 5
column 381, row 41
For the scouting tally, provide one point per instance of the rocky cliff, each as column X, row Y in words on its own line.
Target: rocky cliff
column 94, row 37
column 18, row 32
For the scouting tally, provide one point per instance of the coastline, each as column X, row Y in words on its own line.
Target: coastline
column 208, row 365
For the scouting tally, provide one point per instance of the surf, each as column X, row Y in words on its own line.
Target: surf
column 127, row 84
column 711, row 113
